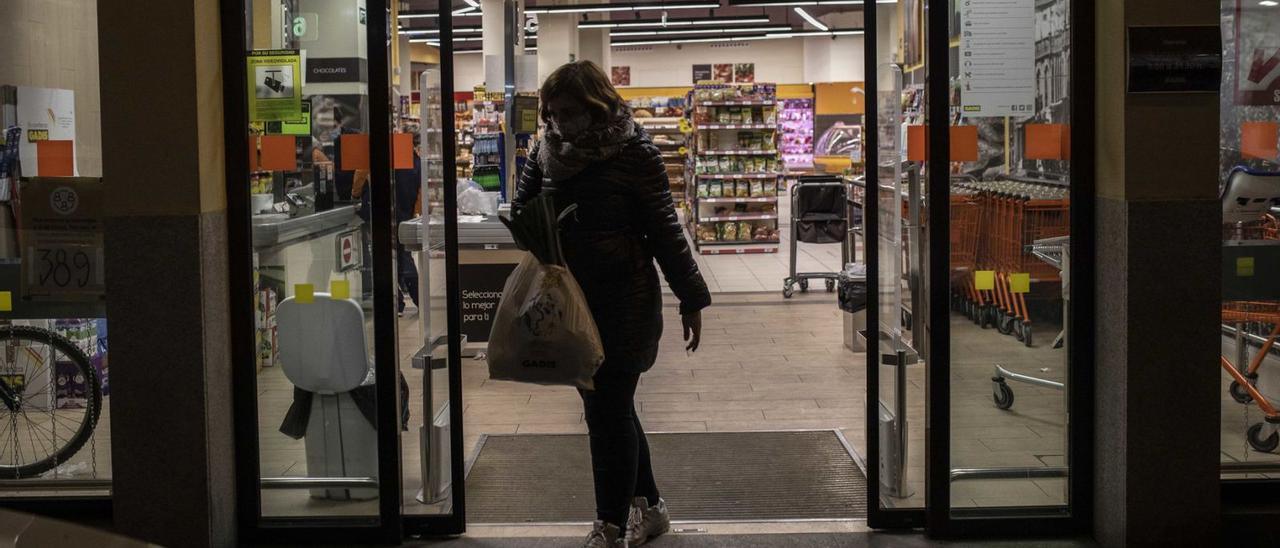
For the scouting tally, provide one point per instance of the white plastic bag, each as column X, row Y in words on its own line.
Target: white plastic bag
column 543, row 332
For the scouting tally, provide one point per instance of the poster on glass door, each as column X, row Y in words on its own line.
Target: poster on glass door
column 1257, row 54
column 997, row 57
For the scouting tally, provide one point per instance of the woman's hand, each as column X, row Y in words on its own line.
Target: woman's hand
column 692, row 330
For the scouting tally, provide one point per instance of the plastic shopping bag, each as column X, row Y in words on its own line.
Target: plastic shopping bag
column 543, row 332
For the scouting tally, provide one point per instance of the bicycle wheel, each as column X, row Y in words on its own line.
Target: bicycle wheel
column 44, row 417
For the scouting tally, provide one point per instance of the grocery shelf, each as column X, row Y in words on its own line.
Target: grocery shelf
column 738, row 152
column 738, row 126
column 742, row 217
column 738, row 175
column 738, row 200
column 738, row 103
column 740, row 242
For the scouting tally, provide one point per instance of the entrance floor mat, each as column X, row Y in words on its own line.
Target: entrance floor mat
column 704, row 476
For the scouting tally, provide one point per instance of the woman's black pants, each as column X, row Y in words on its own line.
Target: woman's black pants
column 619, row 452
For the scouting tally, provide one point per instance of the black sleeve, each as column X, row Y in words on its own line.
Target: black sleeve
column 664, row 235
column 530, row 183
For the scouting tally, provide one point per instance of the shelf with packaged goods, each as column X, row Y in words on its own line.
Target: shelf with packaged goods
column 761, row 126
column 738, row 248
column 743, row 217
column 736, row 200
column 738, row 103
column 738, row 152
column 738, row 175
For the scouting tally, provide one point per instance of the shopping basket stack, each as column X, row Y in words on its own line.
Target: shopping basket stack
column 1011, row 216
column 1251, row 301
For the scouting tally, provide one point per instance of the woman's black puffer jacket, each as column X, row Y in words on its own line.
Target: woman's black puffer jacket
column 624, row 221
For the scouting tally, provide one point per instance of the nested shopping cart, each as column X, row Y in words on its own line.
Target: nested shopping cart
column 819, row 215
column 1251, row 297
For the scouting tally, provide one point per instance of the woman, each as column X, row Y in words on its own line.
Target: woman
column 594, row 155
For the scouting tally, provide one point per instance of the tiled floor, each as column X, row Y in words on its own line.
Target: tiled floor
column 765, row 364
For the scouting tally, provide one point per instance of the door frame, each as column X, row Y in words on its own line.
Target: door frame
column 940, row 519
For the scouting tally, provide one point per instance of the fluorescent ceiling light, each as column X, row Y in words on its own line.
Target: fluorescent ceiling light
column 472, row 3
column 672, row 22
column 590, row 8
column 459, row 30
column 1269, row 3
column 769, row 36
column 465, row 10
column 418, row 15
column 661, row 32
column 763, row 3
column 805, row 15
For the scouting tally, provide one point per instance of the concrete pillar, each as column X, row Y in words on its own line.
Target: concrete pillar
column 166, row 273
column 1158, row 234
column 492, row 31
column 595, row 45
column 557, row 42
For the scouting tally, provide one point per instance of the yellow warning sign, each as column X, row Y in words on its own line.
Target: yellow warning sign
column 984, row 280
column 1244, row 266
column 304, row 293
column 6, row 301
column 1020, row 282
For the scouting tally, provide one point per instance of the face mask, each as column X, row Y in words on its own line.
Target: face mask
column 572, row 125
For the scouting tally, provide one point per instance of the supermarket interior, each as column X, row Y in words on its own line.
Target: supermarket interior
column 890, row 296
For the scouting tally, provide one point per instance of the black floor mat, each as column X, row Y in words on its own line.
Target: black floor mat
column 540, row 478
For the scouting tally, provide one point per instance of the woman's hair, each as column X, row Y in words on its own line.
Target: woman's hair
column 584, row 82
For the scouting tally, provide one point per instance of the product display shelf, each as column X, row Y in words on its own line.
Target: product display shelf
column 735, row 160
column 795, row 134
column 668, row 137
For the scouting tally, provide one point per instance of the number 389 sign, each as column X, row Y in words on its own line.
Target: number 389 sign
column 60, row 231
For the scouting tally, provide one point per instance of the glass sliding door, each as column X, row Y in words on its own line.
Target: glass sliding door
column 322, row 398
column 979, row 378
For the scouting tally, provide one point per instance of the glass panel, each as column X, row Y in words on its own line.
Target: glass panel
column 1250, row 103
column 55, row 418
column 313, row 266
column 899, row 191
column 1010, row 215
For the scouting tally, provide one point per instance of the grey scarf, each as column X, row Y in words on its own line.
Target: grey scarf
column 562, row 157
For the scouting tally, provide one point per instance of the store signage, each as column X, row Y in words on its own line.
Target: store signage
column 348, row 250
column 306, row 27
column 301, row 127
column 275, row 90
column 481, row 290
column 1175, row 59
column 526, row 114
column 1257, row 55
column 61, row 238
column 327, row 70
column 44, row 115
column 701, row 73
column 997, row 57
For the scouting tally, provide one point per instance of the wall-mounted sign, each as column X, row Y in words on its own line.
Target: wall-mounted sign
column 1175, row 59
column 44, row 115
column 326, row 70
column 275, row 87
column 701, row 73
column 526, row 114
column 1257, row 55
column 744, row 73
column 61, row 239
column 348, row 250
column 997, row 57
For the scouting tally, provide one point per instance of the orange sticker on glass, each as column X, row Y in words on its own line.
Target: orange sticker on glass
column 1258, row 140
column 1020, row 282
column 279, row 153
column 304, row 293
column 984, row 280
column 55, row 159
column 964, row 143
column 917, row 144
column 1044, row 142
column 355, row 152
column 402, row 150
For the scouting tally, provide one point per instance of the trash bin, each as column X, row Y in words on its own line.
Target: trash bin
column 851, row 287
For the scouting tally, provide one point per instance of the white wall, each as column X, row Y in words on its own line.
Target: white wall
column 834, row 60
column 777, row 61
column 468, row 71
column 54, row 44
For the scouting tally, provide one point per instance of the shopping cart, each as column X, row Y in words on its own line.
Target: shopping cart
column 1250, row 302
column 819, row 215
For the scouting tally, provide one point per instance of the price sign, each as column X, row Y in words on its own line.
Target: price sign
column 61, row 237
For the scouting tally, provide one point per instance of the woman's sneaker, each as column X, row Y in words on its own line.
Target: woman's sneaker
column 646, row 521
column 605, row 535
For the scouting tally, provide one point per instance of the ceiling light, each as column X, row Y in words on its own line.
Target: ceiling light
column 769, row 36
column 472, row 3
column 589, row 8
column 762, row 3
column 805, row 15
column 672, row 22
column 462, row 30
column 465, row 10
column 417, row 15
column 1269, row 3
column 661, row 32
